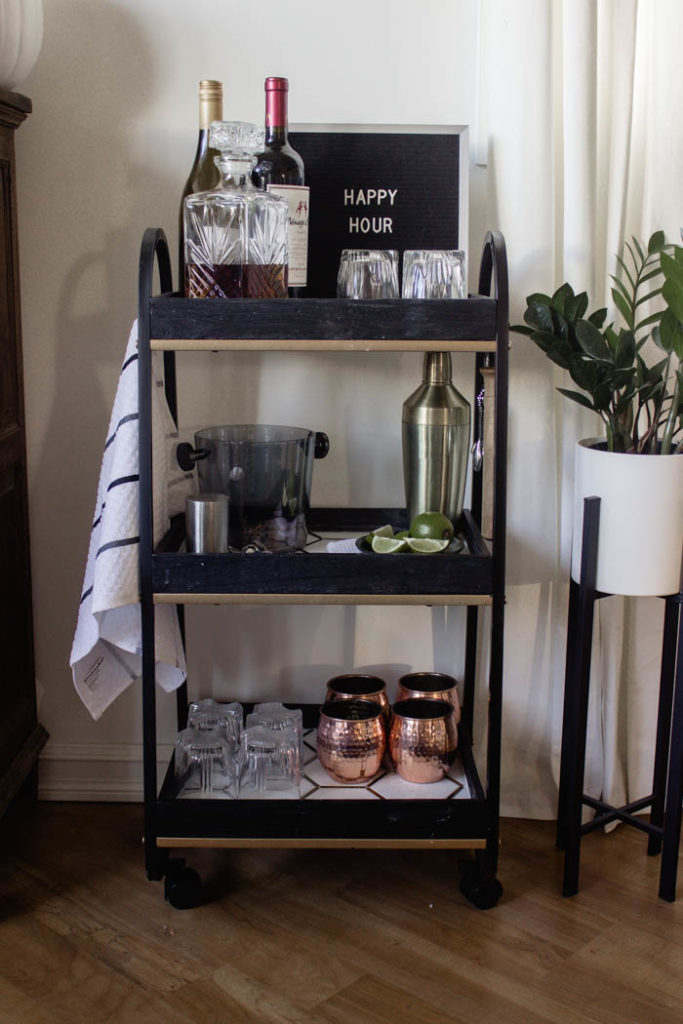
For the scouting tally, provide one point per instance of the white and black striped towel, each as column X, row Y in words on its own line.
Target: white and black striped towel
column 106, row 652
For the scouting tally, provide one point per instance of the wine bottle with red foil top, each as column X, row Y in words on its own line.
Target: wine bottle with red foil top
column 280, row 169
column 204, row 173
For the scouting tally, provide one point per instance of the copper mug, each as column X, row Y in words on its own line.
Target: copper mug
column 351, row 739
column 432, row 686
column 359, row 686
column 422, row 739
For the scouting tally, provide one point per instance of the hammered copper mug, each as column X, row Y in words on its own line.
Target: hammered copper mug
column 351, row 739
column 359, row 686
column 422, row 739
column 430, row 685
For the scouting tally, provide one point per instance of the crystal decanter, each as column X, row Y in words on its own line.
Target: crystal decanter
column 235, row 235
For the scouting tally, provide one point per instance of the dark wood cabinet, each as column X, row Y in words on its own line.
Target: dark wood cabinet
column 21, row 737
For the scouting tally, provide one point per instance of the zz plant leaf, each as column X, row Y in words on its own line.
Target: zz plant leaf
column 640, row 405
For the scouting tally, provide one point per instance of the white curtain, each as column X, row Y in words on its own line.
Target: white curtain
column 586, row 149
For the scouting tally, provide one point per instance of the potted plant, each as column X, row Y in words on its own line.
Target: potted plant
column 637, row 467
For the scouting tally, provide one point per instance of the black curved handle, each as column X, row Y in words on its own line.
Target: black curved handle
column 186, row 455
column 493, row 270
column 322, row 445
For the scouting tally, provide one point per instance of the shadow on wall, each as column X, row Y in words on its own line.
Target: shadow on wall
column 286, row 662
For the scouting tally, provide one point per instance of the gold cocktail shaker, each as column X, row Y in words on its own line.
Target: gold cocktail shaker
column 436, row 441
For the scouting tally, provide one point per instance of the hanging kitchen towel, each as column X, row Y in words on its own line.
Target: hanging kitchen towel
column 106, row 654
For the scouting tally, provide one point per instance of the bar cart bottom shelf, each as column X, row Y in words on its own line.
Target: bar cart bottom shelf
column 317, row 784
column 386, row 812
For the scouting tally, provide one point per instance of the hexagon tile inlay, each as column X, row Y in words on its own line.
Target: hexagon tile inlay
column 317, row 784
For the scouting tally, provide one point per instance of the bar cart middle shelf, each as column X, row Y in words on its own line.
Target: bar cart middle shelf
column 468, row 818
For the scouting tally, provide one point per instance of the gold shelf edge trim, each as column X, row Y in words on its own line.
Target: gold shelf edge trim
column 188, row 842
column 316, row 599
column 320, row 345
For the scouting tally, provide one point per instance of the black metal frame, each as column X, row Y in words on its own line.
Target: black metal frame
column 664, row 826
column 479, row 573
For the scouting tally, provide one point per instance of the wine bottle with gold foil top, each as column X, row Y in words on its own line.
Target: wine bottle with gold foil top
column 204, row 174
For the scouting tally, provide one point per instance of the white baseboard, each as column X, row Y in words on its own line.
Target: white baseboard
column 94, row 772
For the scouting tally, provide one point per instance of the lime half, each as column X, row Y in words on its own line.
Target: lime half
column 387, row 545
column 425, row 546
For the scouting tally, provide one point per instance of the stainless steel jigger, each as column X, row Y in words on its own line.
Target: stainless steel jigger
column 206, row 523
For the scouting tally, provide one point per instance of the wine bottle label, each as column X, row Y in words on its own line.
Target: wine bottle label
column 297, row 238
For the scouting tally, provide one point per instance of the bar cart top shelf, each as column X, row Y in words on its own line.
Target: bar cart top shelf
column 458, row 325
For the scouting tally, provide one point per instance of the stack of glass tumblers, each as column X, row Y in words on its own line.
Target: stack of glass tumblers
column 221, row 753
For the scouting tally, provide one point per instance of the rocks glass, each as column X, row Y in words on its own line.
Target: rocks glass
column 224, row 718
column 368, row 274
column 434, row 274
column 204, row 762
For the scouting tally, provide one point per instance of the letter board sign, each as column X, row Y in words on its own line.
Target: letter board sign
column 381, row 187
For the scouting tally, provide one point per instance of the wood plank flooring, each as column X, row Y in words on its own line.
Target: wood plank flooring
column 327, row 937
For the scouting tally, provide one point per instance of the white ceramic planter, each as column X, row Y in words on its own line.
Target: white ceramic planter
column 21, row 36
column 641, row 519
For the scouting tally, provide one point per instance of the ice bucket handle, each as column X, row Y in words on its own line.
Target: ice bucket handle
column 186, row 455
column 322, row 445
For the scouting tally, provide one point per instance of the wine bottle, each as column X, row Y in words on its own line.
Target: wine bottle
column 204, row 173
column 280, row 169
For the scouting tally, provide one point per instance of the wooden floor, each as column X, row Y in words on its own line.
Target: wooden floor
column 310, row 937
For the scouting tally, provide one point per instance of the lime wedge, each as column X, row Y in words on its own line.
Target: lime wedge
column 426, row 546
column 381, row 531
column 387, row 545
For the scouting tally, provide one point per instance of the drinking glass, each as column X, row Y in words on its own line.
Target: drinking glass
column 204, row 762
column 270, row 760
column 368, row 274
column 281, row 720
column 225, row 718
column 434, row 274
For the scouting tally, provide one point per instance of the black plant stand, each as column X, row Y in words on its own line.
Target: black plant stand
column 664, row 827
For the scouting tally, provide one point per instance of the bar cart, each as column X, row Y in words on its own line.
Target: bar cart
column 473, row 578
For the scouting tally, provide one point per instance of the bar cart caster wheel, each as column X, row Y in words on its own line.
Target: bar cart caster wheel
column 183, row 886
column 482, row 893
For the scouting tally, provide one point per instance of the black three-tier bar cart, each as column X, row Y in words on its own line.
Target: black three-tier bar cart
column 474, row 578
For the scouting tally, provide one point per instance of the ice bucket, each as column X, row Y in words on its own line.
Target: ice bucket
column 266, row 471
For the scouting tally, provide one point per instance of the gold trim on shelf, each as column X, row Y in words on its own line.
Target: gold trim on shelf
column 319, row 345
column 188, row 842
column 364, row 599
